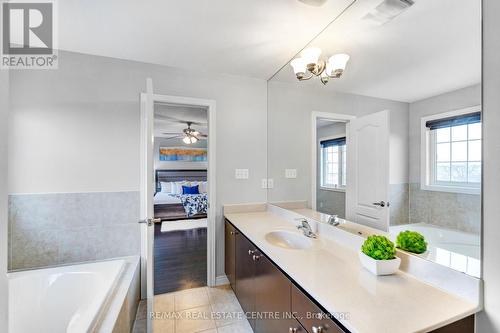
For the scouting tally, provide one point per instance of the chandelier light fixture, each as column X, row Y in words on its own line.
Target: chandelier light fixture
column 309, row 65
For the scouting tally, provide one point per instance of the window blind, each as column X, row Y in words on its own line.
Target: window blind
column 464, row 119
column 333, row 142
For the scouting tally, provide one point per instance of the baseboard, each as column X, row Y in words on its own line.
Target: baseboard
column 221, row 280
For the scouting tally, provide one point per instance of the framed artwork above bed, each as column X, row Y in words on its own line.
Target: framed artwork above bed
column 183, row 154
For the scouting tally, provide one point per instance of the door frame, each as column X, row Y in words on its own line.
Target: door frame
column 315, row 115
column 210, row 105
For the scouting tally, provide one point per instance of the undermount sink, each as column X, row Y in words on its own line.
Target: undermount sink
column 288, row 240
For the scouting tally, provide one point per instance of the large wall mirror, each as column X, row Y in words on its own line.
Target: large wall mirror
column 378, row 120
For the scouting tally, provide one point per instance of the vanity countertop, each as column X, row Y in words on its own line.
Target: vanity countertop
column 331, row 273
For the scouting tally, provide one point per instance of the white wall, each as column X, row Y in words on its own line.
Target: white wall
column 454, row 100
column 489, row 320
column 4, row 109
column 289, row 131
column 76, row 129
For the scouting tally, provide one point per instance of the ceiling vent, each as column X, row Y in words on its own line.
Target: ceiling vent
column 315, row 3
column 387, row 11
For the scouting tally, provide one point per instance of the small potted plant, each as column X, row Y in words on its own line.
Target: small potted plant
column 411, row 241
column 378, row 255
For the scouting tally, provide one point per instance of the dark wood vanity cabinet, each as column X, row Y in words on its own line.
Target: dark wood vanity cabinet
column 230, row 233
column 310, row 315
column 272, row 298
column 244, row 285
column 262, row 288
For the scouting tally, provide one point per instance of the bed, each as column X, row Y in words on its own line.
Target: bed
column 170, row 204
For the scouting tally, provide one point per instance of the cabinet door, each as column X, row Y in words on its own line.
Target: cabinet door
column 244, row 277
column 310, row 316
column 272, row 296
column 230, row 252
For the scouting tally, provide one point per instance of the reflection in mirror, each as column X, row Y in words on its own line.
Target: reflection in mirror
column 378, row 121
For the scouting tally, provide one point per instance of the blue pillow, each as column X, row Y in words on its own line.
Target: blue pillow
column 190, row 189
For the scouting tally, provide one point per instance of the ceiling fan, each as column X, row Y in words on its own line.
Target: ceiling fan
column 188, row 135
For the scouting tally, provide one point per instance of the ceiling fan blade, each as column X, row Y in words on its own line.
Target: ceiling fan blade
column 172, row 133
column 173, row 137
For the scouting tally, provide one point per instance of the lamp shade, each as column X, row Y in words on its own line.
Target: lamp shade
column 189, row 139
column 299, row 65
column 337, row 62
column 311, row 55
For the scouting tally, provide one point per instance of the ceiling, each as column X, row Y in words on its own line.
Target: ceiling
column 173, row 119
column 432, row 48
column 248, row 38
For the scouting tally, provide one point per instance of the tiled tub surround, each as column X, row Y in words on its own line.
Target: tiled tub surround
column 331, row 202
column 457, row 211
column 399, row 200
column 62, row 228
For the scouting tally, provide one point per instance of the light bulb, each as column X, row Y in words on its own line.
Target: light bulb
column 311, row 55
column 187, row 140
column 299, row 66
column 337, row 63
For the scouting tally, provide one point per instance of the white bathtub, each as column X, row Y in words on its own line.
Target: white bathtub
column 62, row 299
column 456, row 249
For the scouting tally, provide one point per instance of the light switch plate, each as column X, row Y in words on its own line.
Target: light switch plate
column 241, row 174
column 290, row 173
column 267, row 183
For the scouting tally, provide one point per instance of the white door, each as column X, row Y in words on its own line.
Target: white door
column 147, row 191
column 368, row 177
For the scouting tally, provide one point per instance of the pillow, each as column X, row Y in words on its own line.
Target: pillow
column 166, row 187
column 190, row 189
column 202, row 185
column 177, row 186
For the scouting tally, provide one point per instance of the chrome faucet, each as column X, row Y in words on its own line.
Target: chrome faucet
column 333, row 220
column 306, row 228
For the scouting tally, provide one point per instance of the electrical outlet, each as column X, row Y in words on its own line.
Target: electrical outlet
column 264, row 183
column 241, row 174
column 290, row 173
column 270, row 183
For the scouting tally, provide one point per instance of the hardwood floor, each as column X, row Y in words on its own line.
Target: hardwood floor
column 180, row 259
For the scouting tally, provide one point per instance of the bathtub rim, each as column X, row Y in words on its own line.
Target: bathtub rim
column 108, row 312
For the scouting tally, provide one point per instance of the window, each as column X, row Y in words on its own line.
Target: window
column 454, row 152
column 333, row 163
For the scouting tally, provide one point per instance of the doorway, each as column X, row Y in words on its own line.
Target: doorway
column 181, row 198
column 189, row 168
column 330, row 136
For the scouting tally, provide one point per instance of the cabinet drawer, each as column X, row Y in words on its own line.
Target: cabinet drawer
column 310, row 316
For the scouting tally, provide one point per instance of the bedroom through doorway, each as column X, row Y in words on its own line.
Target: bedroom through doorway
column 181, row 197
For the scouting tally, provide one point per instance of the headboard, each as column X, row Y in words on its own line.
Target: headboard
column 178, row 175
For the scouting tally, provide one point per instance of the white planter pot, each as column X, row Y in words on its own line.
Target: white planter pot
column 379, row 267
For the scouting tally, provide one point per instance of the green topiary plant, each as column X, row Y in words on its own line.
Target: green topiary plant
column 379, row 248
column 411, row 241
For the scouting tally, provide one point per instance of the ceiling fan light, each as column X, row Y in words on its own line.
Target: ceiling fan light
column 187, row 140
column 311, row 55
column 337, row 64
